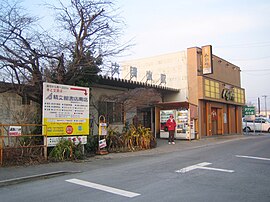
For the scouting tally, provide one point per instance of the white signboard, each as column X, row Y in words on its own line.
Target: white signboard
column 65, row 109
column 52, row 141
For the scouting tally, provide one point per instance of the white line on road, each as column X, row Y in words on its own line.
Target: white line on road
column 253, row 157
column 216, row 169
column 189, row 168
column 103, row 188
column 202, row 166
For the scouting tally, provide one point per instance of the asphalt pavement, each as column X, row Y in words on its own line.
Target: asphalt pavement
column 18, row 174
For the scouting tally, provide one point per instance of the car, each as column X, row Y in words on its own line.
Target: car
column 259, row 124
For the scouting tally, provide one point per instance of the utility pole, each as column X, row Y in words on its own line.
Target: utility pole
column 265, row 104
column 259, row 106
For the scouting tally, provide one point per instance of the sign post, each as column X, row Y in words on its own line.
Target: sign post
column 102, row 133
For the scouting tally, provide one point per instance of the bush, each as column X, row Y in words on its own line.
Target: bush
column 114, row 140
column 66, row 150
column 92, row 144
column 133, row 138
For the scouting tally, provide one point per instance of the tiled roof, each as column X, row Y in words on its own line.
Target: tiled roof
column 131, row 84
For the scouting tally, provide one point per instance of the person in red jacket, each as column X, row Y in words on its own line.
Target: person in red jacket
column 171, row 124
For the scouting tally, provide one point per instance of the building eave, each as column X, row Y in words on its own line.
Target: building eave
column 131, row 84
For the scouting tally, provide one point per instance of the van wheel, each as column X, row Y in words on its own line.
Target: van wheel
column 268, row 130
column 247, row 129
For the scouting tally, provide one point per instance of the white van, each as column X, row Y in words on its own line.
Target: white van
column 259, row 124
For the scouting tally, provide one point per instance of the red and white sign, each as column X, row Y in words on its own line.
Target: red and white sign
column 15, row 131
column 69, row 129
column 102, row 143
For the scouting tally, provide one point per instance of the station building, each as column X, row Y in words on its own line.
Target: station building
column 208, row 98
column 202, row 90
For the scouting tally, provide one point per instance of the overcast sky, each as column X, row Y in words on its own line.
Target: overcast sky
column 238, row 30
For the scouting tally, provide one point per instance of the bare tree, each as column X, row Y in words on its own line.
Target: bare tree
column 24, row 52
column 30, row 56
column 92, row 30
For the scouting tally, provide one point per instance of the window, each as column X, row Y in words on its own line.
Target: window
column 239, row 95
column 259, row 120
column 211, row 89
column 112, row 111
column 249, row 121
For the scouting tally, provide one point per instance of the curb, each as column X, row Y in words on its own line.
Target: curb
column 34, row 177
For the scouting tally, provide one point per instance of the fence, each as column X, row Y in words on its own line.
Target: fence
column 22, row 143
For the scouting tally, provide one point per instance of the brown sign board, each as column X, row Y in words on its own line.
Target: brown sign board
column 207, row 63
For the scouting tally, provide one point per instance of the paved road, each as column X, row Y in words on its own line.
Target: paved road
column 231, row 171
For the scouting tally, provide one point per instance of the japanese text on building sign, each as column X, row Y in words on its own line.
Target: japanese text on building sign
column 206, row 60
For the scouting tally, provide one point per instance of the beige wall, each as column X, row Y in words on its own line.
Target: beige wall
column 12, row 111
column 193, row 63
column 173, row 65
column 97, row 91
column 225, row 72
column 182, row 71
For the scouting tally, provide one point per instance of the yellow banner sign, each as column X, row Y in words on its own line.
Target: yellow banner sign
column 61, row 127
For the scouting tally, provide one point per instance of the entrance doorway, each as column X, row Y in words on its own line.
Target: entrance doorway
column 216, row 121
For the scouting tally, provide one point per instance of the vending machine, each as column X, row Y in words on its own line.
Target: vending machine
column 184, row 126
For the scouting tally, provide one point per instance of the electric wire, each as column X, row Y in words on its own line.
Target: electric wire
column 245, row 45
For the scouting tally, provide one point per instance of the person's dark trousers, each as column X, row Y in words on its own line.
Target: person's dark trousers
column 171, row 135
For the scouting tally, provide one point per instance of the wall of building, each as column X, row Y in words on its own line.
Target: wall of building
column 223, row 72
column 98, row 93
column 173, row 65
column 193, row 63
column 219, row 113
column 13, row 111
column 219, row 92
column 228, row 118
